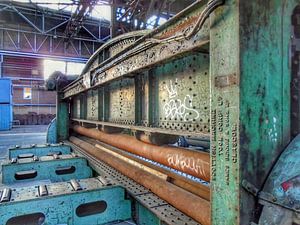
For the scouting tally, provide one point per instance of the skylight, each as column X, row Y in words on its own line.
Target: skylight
column 100, row 11
column 152, row 20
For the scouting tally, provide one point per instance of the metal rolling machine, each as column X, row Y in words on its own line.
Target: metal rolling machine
column 194, row 122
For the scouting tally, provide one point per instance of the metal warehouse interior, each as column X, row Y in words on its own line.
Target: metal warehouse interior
column 157, row 112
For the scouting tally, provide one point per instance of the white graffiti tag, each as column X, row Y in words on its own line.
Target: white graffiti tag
column 177, row 108
column 187, row 163
column 172, row 90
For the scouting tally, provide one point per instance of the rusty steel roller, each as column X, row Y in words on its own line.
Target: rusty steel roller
column 190, row 204
column 195, row 163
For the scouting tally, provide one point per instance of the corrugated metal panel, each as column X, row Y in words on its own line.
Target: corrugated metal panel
column 5, row 91
column 5, row 116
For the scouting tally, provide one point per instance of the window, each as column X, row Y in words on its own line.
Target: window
column 51, row 66
column 27, row 93
column 74, row 68
column 68, row 68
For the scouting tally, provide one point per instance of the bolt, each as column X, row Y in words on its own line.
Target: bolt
column 294, row 114
column 295, row 97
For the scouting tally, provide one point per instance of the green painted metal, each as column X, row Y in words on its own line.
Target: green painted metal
column 138, row 56
column 104, row 52
column 126, row 100
column 145, row 217
column 225, row 163
column 104, row 92
column 182, row 94
column 122, row 101
column 76, row 107
column 60, row 206
column 295, row 70
column 172, row 97
column 241, row 93
column 62, row 118
column 93, row 105
column 46, row 169
column 39, row 150
column 83, row 105
column 250, row 106
column 101, row 108
column 51, row 137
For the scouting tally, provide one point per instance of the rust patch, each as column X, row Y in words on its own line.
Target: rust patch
column 225, row 81
column 178, row 28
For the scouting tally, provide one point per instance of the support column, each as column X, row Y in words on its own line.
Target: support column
column 250, row 105
column 225, row 163
column 62, row 118
column 113, row 20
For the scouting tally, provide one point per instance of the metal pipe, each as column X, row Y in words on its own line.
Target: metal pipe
column 195, row 163
column 194, row 187
column 190, row 204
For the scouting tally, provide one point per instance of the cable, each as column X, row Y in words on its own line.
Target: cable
column 210, row 7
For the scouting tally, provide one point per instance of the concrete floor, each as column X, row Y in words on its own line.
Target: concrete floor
column 22, row 135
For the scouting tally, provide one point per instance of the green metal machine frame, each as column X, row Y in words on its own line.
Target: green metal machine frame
column 38, row 150
column 232, row 83
column 250, row 82
column 63, row 205
column 62, row 168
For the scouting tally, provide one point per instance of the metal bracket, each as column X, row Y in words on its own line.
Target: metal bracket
column 250, row 188
column 104, row 181
column 6, row 194
column 255, row 192
column 43, row 191
column 75, row 185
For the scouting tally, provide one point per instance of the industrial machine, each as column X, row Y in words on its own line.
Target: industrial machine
column 223, row 74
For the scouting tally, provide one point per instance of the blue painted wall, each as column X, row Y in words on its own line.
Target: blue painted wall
column 5, row 91
column 5, row 116
column 6, row 112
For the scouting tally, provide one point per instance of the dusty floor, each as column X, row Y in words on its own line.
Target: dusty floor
column 22, row 135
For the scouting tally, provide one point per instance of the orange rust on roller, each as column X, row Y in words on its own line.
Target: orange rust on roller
column 195, row 163
column 194, row 187
column 190, row 204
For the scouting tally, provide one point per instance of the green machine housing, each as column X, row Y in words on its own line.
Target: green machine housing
column 234, row 83
column 230, row 80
